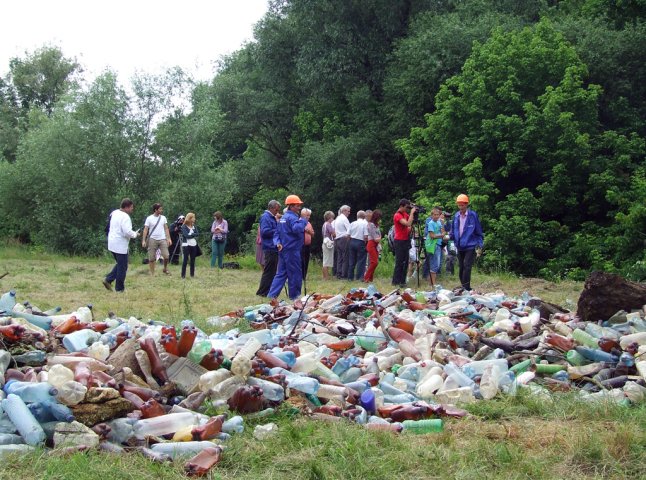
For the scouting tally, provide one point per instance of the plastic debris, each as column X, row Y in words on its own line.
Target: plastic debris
column 400, row 362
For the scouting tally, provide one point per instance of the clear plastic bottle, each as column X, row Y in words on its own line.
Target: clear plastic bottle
column 489, row 381
column 233, row 425
column 164, row 424
column 241, row 364
column 8, row 301
column 181, row 449
column 463, row 380
column 271, row 391
column 71, row 393
column 210, row 379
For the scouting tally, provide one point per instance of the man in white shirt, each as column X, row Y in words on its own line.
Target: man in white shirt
column 341, row 242
column 156, row 236
column 357, row 253
column 118, row 240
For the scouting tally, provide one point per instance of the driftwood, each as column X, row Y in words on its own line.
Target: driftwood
column 604, row 294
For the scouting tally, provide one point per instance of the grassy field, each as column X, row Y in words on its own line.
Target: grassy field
column 519, row 437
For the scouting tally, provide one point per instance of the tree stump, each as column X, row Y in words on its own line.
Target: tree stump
column 604, row 294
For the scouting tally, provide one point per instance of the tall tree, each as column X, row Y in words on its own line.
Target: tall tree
column 42, row 77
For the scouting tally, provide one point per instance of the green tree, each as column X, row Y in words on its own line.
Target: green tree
column 521, row 108
column 42, row 77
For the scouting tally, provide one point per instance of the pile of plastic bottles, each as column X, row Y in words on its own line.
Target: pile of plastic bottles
column 398, row 362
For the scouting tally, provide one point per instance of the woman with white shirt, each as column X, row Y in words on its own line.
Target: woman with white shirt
column 189, row 243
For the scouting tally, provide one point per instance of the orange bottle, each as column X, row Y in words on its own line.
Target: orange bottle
column 186, row 340
column 201, row 463
column 397, row 334
column 151, row 408
column 157, row 367
column 209, row 430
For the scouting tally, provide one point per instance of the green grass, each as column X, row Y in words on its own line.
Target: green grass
column 510, row 437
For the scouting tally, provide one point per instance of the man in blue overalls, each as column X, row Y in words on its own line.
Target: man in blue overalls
column 289, row 239
column 466, row 232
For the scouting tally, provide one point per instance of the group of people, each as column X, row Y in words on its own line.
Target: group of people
column 461, row 234
column 157, row 238
column 285, row 241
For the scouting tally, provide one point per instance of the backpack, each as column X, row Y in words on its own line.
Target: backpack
column 391, row 239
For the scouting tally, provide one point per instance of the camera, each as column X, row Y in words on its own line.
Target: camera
column 419, row 209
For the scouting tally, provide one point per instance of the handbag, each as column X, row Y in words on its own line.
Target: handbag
column 328, row 242
column 150, row 232
column 198, row 250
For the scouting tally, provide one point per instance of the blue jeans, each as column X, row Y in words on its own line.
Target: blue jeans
column 118, row 273
column 356, row 259
column 217, row 252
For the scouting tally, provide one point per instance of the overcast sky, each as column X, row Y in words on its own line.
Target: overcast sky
column 129, row 36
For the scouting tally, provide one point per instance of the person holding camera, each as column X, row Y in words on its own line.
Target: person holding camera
column 466, row 232
column 156, row 236
column 119, row 234
column 403, row 221
column 175, row 230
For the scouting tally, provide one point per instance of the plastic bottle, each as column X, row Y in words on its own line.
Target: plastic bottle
column 463, row 380
column 33, row 357
column 233, row 425
column 121, row 430
column 25, row 423
column 423, row 426
column 71, row 393
column 226, row 388
column 455, row 396
column 180, row 449
column 575, row 358
column 48, row 411
column 58, row 375
column 332, row 391
column 429, row 386
column 5, row 360
column 241, row 364
column 489, row 381
column 271, row 391
column 199, row 350
column 99, row 350
column 597, row 355
column 30, row 391
column 42, row 322
column 210, row 379
column 8, row 301
column 584, row 338
column 163, row 425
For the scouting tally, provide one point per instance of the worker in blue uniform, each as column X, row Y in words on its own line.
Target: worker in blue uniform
column 289, row 239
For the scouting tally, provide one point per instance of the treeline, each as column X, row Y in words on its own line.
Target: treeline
column 536, row 109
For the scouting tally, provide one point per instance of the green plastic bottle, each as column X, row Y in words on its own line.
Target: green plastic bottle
column 548, row 368
column 198, row 350
column 575, row 358
column 521, row 366
column 431, row 425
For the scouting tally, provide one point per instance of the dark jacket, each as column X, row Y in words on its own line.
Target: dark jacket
column 187, row 235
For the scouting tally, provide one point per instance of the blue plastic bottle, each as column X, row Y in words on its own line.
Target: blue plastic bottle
column 597, row 355
column 367, row 401
column 31, row 391
column 25, row 423
column 49, row 411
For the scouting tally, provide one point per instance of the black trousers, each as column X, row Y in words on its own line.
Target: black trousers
column 465, row 262
column 306, row 251
column 268, row 273
column 401, row 261
column 190, row 253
